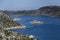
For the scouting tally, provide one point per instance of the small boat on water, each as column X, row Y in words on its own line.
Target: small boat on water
column 36, row 22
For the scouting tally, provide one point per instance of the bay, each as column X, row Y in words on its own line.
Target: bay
column 49, row 30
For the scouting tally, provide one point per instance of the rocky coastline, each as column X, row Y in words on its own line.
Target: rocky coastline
column 7, row 23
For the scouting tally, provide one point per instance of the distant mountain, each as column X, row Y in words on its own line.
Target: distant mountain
column 45, row 11
column 49, row 10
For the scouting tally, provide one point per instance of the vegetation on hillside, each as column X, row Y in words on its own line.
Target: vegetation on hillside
column 45, row 11
column 7, row 22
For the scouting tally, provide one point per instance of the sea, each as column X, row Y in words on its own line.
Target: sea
column 49, row 30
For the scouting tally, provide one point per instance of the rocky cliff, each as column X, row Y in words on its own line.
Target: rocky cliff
column 8, row 22
column 5, row 34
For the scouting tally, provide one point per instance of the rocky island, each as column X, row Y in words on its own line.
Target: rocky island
column 7, row 23
column 36, row 22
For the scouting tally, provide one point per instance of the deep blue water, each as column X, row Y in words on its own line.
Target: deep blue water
column 49, row 30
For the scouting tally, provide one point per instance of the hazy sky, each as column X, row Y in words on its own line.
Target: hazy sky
column 26, row 4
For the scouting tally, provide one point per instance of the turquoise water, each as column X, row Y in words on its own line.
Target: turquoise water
column 49, row 30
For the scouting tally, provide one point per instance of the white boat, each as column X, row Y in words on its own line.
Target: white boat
column 36, row 22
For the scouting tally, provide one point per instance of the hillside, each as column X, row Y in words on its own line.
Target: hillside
column 10, row 35
column 45, row 11
column 8, row 22
column 6, row 34
column 49, row 11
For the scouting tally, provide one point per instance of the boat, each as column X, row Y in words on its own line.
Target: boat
column 36, row 22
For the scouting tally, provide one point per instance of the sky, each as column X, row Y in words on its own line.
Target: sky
column 26, row 4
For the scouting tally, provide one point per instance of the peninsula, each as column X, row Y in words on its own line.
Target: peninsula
column 7, row 23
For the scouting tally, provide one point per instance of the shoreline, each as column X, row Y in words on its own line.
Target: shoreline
column 15, row 27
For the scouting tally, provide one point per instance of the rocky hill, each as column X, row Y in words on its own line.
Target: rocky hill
column 6, row 34
column 8, row 22
column 45, row 11
column 49, row 11
column 10, row 35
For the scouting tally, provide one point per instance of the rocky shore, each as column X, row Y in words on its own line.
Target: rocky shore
column 7, row 23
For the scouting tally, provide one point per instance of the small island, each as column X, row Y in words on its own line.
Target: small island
column 36, row 22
